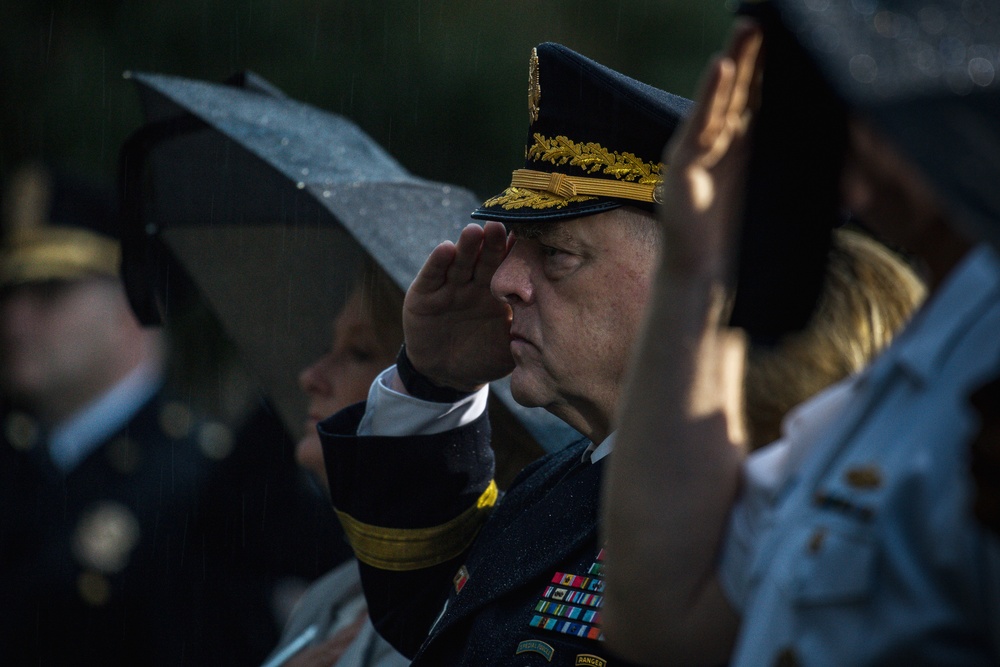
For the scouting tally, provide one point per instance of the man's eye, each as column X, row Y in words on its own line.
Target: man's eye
column 549, row 251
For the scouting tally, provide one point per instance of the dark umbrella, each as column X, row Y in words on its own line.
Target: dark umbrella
column 269, row 205
column 927, row 74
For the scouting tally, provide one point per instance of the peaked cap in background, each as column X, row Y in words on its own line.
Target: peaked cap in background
column 57, row 227
column 595, row 141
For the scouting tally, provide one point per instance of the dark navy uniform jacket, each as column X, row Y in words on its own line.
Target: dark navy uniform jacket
column 155, row 549
column 525, row 590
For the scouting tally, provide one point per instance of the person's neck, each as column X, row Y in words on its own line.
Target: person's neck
column 591, row 421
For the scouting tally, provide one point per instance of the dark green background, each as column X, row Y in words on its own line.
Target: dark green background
column 440, row 83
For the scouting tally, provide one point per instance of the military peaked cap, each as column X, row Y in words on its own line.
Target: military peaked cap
column 595, row 141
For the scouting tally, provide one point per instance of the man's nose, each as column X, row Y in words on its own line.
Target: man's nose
column 512, row 281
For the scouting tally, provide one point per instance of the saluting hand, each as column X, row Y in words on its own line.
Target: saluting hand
column 457, row 334
column 703, row 189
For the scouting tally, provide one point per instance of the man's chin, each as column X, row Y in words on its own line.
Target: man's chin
column 525, row 392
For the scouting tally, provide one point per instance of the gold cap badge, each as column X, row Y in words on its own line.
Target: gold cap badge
column 534, row 87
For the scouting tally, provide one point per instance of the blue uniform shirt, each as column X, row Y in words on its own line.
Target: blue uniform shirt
column 854, row 542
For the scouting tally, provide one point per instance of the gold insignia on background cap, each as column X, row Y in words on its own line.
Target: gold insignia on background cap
column 26, row 205
column 106, row 536
column 534, row 87
column 33, row 250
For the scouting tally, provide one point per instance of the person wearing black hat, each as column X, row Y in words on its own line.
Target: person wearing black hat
column 558, row 301
column 850, row 541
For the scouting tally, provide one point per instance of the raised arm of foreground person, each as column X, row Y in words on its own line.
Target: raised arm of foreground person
column 681, row 439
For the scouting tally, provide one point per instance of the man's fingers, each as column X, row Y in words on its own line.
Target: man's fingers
column 684, row 144
column 434, row 272
column 493, row 252
column 718, row 104
column 745, row 53
column 466, row 254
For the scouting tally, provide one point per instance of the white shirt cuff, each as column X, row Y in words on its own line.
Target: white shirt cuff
column 390, row 413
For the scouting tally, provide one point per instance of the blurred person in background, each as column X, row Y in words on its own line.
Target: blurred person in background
column 114, row 547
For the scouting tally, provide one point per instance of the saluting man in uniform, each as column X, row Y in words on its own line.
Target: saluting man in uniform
column 557, row 301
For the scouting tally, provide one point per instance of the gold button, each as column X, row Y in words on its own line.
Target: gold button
column 864, row 477
column 106, row 536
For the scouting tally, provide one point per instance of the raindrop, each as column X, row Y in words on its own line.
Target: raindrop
column 864, row 68
column 446, row 189
column 981, row 71
column 446, row 202
column 326, row 193
column 818, row 5
column 284, row 141
column 300, row 185
column 305, row 171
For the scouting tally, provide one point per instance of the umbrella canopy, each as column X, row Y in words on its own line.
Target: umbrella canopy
column 927, row 73
column 269, row 205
